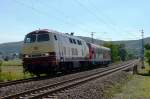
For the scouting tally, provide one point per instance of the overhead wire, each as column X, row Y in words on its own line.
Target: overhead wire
column 108, row 18
column 66, row 22
column 32, row 8
column 62, row 13
column 94, row 15
column 45, row 14
column 66, row 16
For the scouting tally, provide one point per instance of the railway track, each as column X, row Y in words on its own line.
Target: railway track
column 49, row 90
column 9, row 83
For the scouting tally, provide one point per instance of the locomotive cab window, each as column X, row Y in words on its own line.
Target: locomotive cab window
column 74, row 41
column 42, row 37
column 30, row 38
column 55, row 37
column 70, row 40
column 79, row 42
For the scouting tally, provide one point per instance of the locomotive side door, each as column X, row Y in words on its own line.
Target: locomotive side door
column 60, row 48
column 55, row 40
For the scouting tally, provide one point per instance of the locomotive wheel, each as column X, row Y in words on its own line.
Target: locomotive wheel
column 38, row 75
column 69, row 66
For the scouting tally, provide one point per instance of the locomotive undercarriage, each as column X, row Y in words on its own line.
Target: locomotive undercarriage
column 51, row 67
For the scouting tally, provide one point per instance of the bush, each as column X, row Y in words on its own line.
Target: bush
column 147, row 53
column 1, row 62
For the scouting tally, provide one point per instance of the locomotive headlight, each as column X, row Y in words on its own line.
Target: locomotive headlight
column 46, row 54
column 26, row 56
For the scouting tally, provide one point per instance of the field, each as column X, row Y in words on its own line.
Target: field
column 16, row 62
column 12, row 70
column 137, row 88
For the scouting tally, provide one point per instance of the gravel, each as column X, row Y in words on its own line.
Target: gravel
column 97, row 89
column 13, row 89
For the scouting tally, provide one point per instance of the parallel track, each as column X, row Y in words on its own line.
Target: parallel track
column 9, row 83
column 59, row 86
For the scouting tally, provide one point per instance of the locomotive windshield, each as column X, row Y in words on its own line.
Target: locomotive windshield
column 42, row 37
column 30, row 38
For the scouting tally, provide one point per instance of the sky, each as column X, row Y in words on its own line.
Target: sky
column 110, row 20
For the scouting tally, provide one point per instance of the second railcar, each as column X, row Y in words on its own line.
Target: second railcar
column 99, row 54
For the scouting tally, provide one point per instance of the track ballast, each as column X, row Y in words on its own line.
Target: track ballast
column 49, row 90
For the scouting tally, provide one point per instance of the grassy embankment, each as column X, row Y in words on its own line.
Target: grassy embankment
column 16, row 62
column 137, row 88
column 12, row 70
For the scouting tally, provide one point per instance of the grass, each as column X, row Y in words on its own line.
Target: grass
column 117, row 87
column 9, row 76
column 9, row 73
column 137, row 88
column 16, row 62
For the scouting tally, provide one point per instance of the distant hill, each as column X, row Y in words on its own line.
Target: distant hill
column 133, row 46
column 96, row 41
column 8, row 48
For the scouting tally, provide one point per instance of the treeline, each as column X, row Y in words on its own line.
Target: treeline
column 119, row 52
column 147, row 53
column 11, row 56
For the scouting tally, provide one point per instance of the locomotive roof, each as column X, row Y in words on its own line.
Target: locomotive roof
column 106, row 48
column 44, row 30
column 67, row 35
column 100, row 46
column 56, row 32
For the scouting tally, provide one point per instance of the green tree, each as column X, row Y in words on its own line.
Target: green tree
column 118, row 52
column 114, row 51
column 0, row 68
column 147, row 53
column 122, row 52
column 147, row 46
column 130, row 55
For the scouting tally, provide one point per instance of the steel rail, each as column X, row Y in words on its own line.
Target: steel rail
column 8, row 83
column 49, row 89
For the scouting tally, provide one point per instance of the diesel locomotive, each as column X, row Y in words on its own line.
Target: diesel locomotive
column 46, row 51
